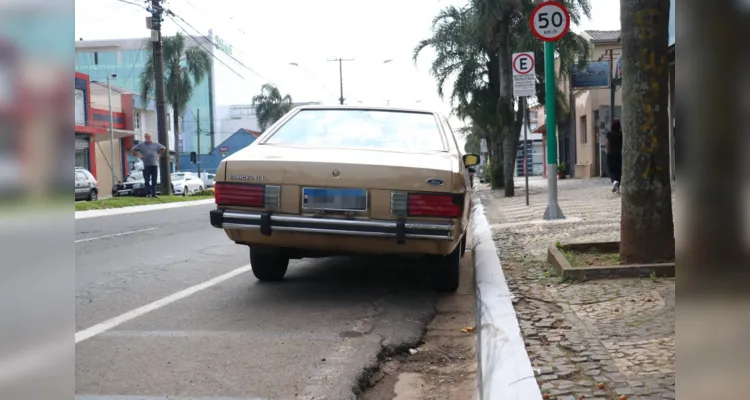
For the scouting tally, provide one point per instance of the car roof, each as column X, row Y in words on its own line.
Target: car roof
column 364, row 108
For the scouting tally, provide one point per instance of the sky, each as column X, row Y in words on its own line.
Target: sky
column 267, row 36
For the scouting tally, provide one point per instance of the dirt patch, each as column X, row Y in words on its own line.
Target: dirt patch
column 444, row 366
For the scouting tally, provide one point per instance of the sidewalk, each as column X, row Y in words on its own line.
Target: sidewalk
column 619, row 332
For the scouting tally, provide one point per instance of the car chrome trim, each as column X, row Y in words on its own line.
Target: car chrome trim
column 306, row 224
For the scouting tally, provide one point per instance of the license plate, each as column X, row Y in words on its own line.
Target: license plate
column 334, row 199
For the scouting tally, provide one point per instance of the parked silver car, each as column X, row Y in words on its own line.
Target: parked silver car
column 87, row 188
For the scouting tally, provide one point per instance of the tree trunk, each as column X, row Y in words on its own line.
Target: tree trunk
column 510, row 148
column 505, row 106
column 496, row 169
column 647, row 226
column 176, row 134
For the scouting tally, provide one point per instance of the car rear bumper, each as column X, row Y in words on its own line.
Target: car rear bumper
column 266, row 224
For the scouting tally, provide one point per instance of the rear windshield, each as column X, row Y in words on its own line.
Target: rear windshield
column 373, row 129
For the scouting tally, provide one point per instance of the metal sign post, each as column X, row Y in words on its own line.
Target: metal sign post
column 549, row 22
column 524, row 85
column 525, row 148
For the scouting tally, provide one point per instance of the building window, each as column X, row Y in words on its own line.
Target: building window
column 137, row 120
column 82, row 151
column 584, row 130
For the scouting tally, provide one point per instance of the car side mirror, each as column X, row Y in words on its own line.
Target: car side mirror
column 471, row 160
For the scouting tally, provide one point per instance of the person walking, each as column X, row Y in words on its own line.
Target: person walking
column 613, row 147
column 149, row 152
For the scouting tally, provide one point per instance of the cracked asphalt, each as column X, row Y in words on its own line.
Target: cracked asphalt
column 309, row 337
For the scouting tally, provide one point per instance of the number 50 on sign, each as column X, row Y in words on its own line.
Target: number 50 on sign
column 550, row 21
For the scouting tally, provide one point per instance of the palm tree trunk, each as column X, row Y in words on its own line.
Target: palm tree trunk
column 496, row 169
column 176, row 134
column 647, row 227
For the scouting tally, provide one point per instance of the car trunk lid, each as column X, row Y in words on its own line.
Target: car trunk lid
column 342, row 168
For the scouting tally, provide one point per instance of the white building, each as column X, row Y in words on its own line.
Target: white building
column 230, row 119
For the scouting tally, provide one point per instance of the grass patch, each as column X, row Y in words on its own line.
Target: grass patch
column 550, row 275
column 129, row 201
column 590, row 258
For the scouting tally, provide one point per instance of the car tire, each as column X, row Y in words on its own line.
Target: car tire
column 93, row 195
column 444, row 271
column 268, row 267
column 185, row 191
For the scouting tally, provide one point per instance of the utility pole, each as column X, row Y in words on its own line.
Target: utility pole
column 341, row 76
column 198, row 153
column 613, row 82
column 161, row 111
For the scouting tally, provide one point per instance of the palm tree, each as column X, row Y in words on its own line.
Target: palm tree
column 184, row 69
column 474, row 45
column 270, row 106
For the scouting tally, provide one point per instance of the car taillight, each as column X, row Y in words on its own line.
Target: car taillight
column 434, row 205
column 239, row 194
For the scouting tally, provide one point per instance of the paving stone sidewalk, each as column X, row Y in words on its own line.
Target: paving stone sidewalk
column 615, row 332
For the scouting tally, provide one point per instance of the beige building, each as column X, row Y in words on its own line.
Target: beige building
column 592, row 116
column 592, row 108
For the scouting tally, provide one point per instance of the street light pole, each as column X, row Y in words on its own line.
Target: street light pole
column 111, row 126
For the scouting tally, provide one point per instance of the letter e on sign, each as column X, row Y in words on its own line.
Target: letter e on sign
column 549, row 21
column 523, row 63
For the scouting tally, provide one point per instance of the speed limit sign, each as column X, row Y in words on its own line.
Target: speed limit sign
column 550, row 21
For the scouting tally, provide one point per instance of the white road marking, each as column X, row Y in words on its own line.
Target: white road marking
column 115, row 235
column 130, row 315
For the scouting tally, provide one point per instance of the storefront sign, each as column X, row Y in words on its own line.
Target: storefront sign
column 223, row 46
column 595, row 75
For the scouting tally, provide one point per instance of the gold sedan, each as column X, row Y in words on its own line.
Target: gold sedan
column 341, row 180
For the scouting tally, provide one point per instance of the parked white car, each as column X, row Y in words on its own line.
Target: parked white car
column 208, row 179
column 185, row 183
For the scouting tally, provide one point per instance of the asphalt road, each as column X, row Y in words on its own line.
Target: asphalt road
column 157, row 317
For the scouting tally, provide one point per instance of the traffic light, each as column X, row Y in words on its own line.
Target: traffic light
column 193, row 157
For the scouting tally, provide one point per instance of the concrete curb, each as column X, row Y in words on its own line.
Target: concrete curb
column 135, row 209
column 504, row 370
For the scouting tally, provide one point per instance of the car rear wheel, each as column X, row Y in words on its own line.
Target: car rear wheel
column 268, row 266
column 444, row 271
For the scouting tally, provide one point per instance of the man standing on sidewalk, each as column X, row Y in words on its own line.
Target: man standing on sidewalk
column 149, row 152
